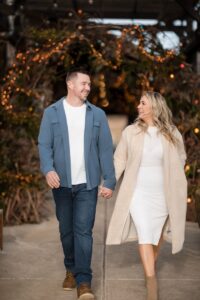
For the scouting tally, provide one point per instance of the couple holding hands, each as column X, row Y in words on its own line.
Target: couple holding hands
column 76, row 151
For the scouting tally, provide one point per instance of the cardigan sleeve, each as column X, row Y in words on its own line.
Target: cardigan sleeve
column 120, row 156
column 180, row 147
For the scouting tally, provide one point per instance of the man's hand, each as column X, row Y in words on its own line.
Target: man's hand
column 105, row 192
column 53, row 179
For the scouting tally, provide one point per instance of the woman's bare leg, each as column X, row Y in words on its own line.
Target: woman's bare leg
column 148, row 258
column 156, row 249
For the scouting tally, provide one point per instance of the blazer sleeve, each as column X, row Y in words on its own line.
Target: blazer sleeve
column 180, row 147
column 45, row 145
column 120, row 156
column 105, row 146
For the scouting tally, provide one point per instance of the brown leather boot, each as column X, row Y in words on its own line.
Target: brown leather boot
column 152, row 288
column 69, row 282
column 84, row 292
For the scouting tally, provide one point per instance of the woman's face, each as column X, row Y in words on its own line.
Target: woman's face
column 145, row 109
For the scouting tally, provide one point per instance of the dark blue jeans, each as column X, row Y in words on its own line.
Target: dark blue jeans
column 75, row 211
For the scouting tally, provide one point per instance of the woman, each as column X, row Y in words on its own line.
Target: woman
column 151, row 202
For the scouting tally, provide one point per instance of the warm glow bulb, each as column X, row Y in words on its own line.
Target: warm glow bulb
column 187, row 168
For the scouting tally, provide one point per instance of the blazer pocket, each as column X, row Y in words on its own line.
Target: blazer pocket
column 56, row 129
column 96, row 127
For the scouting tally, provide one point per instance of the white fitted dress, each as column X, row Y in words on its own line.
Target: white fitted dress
column 148, row 207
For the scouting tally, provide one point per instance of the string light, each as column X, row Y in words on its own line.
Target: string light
column 171, row 76
column 22, row 178
column 196, row 130
column 55, row 4
column 43, row 54
column 189, row 200
column 102, row 89
column 105, row 103
column 187, row 168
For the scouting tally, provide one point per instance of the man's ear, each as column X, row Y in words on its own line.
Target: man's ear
column 69, row 84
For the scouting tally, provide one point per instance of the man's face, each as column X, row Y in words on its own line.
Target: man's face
column 80, row 86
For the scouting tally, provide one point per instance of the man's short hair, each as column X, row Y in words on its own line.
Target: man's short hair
column 73, row 73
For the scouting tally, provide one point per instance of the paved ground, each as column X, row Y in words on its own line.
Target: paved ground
column 31, row 265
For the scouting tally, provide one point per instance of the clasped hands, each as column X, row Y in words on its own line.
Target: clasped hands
column 105, row 192
column 53, row 181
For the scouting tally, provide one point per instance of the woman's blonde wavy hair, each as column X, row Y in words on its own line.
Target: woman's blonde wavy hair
column 162, row 116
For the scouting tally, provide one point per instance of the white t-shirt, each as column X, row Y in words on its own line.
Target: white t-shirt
column 75, row 116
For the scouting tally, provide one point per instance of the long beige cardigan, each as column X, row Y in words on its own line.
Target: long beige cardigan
column 127, row 159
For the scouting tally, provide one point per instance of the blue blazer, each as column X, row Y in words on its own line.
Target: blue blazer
column 54, row 151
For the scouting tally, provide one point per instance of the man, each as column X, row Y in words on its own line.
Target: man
column 75, row 148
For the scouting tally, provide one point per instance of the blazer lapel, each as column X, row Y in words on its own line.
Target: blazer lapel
column 65, row 135
column 88, row 133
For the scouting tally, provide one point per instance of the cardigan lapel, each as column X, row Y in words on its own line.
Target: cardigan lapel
column 166, row 167
column 137, row 144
